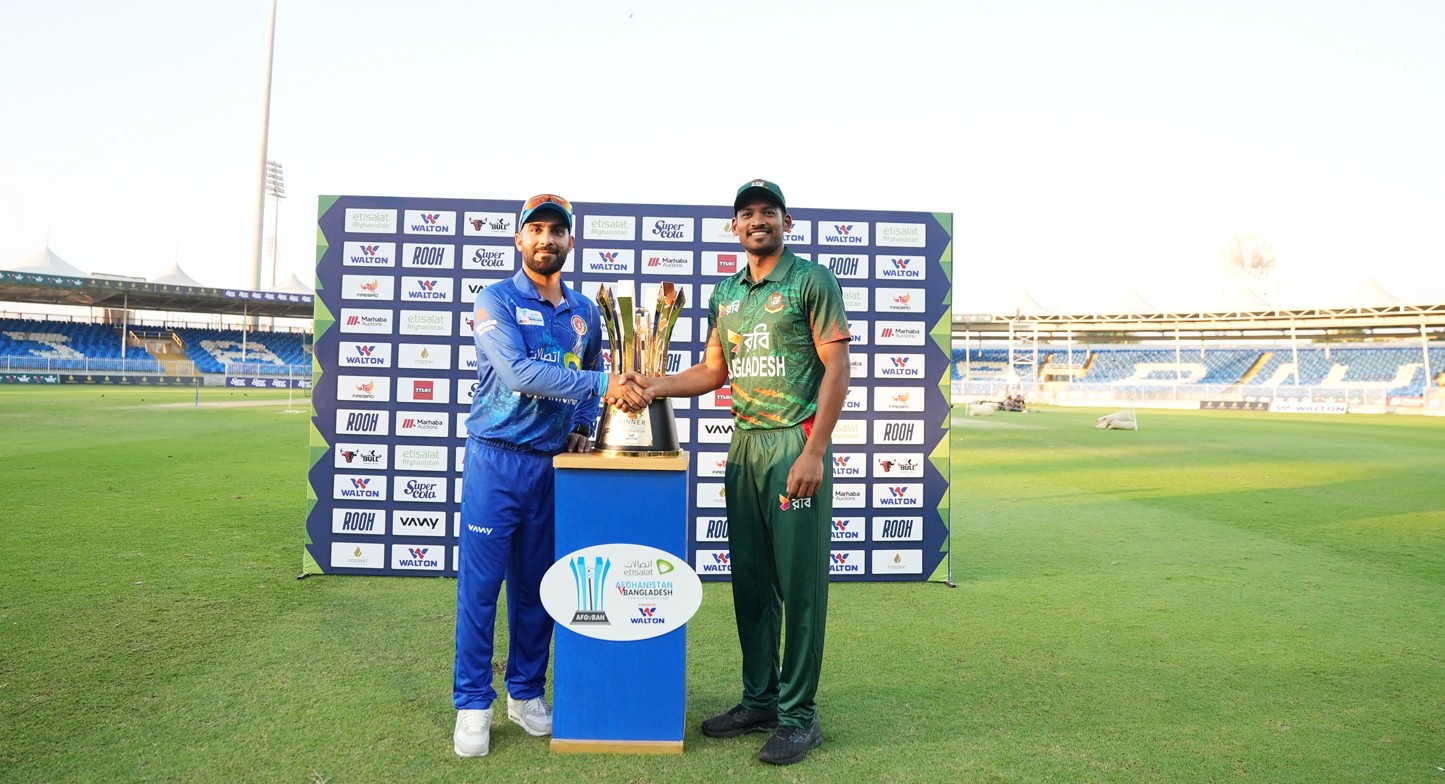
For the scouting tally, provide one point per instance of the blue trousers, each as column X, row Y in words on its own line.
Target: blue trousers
column 507, row 531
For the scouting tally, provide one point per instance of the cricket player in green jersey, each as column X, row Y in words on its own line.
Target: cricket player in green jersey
column 779, row 334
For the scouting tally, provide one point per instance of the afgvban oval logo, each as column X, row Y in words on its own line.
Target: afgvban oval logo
column 621, row 592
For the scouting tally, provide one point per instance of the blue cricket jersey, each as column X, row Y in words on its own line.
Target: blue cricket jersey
column 538, row 366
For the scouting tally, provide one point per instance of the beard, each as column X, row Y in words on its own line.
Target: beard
column 546, row 268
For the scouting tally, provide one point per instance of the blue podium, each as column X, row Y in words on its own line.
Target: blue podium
column 620, row 696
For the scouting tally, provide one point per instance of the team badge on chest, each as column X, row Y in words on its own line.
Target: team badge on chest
column 579, row 325
column 774, row 303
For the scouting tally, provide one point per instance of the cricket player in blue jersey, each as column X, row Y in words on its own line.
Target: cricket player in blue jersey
column 540, row 390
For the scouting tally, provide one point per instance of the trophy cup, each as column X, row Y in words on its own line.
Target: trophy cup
column 639, row 340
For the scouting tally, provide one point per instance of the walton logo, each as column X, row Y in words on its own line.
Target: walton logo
column 370, row 250
column 898, row 492
column 843, row 229
column 365, row 351
column 840, row 530
column 359, row 484
column 722, row 559
column 898, row 362
column 608, row 261
column 839, row 558
column 647, row 613
column 427, row 285
column 900, row 264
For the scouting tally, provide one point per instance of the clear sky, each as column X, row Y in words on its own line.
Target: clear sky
column 1082, row 147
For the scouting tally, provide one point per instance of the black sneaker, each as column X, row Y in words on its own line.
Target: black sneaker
column 791, row 744
column 740, row 720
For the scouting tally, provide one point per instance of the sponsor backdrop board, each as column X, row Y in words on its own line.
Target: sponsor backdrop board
column 395, row 368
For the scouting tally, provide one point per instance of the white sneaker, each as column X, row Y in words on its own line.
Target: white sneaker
column 473, row 735
column 535, row 715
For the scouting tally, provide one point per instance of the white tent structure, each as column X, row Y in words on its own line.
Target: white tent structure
column 46, row 262
column 177, row 277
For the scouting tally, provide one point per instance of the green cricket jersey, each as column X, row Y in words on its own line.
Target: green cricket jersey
column 769, row 332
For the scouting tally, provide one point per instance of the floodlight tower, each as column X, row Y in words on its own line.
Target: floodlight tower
column 255, row 281
column 276, row 186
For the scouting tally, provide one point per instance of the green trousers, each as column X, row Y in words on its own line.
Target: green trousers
column 779, row 553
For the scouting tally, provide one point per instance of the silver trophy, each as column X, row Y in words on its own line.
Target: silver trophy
column 640, row 340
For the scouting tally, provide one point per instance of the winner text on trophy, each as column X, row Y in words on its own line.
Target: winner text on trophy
column 639, row 342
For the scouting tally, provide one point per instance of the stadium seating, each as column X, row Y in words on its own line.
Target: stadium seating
column 72, row 346
column 1392, row 370
column 69, row 346
column 262, row 353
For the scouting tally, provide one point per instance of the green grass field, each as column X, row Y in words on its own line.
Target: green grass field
column 1217, row 597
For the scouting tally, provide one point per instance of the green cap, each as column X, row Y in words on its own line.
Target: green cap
column 751, row 189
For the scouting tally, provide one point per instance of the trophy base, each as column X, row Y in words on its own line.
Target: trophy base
column 651, row 432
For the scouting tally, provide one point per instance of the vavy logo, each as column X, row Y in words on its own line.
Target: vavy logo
column 407, row 522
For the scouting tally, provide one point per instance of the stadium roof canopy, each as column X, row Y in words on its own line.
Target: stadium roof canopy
column 133, row 294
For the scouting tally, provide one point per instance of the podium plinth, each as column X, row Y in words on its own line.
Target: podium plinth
column 615, row 696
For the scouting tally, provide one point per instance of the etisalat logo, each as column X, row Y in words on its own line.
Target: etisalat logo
column 589, row 580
